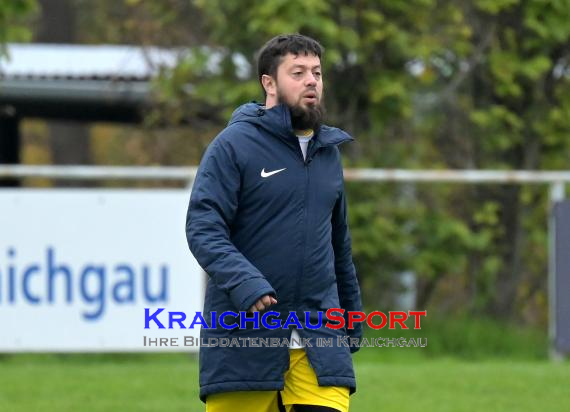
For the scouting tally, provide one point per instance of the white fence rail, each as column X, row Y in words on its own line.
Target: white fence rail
column 384, row 175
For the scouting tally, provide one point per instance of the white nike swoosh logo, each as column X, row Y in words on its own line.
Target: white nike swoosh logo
column 267, row 174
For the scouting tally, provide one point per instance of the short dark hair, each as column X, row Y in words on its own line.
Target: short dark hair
column 270, row 55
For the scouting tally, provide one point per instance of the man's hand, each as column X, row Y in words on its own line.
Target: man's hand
column 262, row 303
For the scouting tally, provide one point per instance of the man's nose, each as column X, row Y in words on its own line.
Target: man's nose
column 310, row 80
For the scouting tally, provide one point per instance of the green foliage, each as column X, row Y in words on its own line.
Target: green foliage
column 494, row 7
column 13, row 16
column 421, row 84
column 464, row 337
column 426, row 84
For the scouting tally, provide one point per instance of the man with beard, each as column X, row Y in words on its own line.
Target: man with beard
column 268, row 222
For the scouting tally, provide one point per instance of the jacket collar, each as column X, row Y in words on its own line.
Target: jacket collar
column 277, row 121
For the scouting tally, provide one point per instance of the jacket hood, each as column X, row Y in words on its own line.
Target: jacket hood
column 277, row 121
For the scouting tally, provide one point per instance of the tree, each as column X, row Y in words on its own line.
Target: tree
column 431, row 84
column 13, row 19
column 421, row 84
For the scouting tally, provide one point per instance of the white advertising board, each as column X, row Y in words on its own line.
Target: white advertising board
column 78, row 267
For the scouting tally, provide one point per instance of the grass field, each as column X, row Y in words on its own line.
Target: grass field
column 169, row 383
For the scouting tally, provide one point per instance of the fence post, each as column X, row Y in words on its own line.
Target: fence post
column 557, row 193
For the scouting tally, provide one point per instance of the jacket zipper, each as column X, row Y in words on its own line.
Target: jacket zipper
column 301, row 272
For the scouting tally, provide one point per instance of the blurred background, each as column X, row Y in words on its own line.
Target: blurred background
column 420, row 84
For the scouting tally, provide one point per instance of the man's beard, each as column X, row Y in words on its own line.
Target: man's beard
column 307, row 117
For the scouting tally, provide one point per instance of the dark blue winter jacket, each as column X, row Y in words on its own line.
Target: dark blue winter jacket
column 262, row 220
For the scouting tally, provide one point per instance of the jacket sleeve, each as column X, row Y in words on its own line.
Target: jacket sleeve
column 347, row 282
column 213, row 205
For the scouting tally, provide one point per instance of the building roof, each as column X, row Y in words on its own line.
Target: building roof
column 67, row 61
column 81, row 82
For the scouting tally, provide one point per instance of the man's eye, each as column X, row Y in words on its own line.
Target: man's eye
column 297, row 73
column 317, row 74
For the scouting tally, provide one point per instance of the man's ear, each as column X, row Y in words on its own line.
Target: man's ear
column 269, row 85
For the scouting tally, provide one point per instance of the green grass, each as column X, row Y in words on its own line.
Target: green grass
column 402, row 382
column 453, row 385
